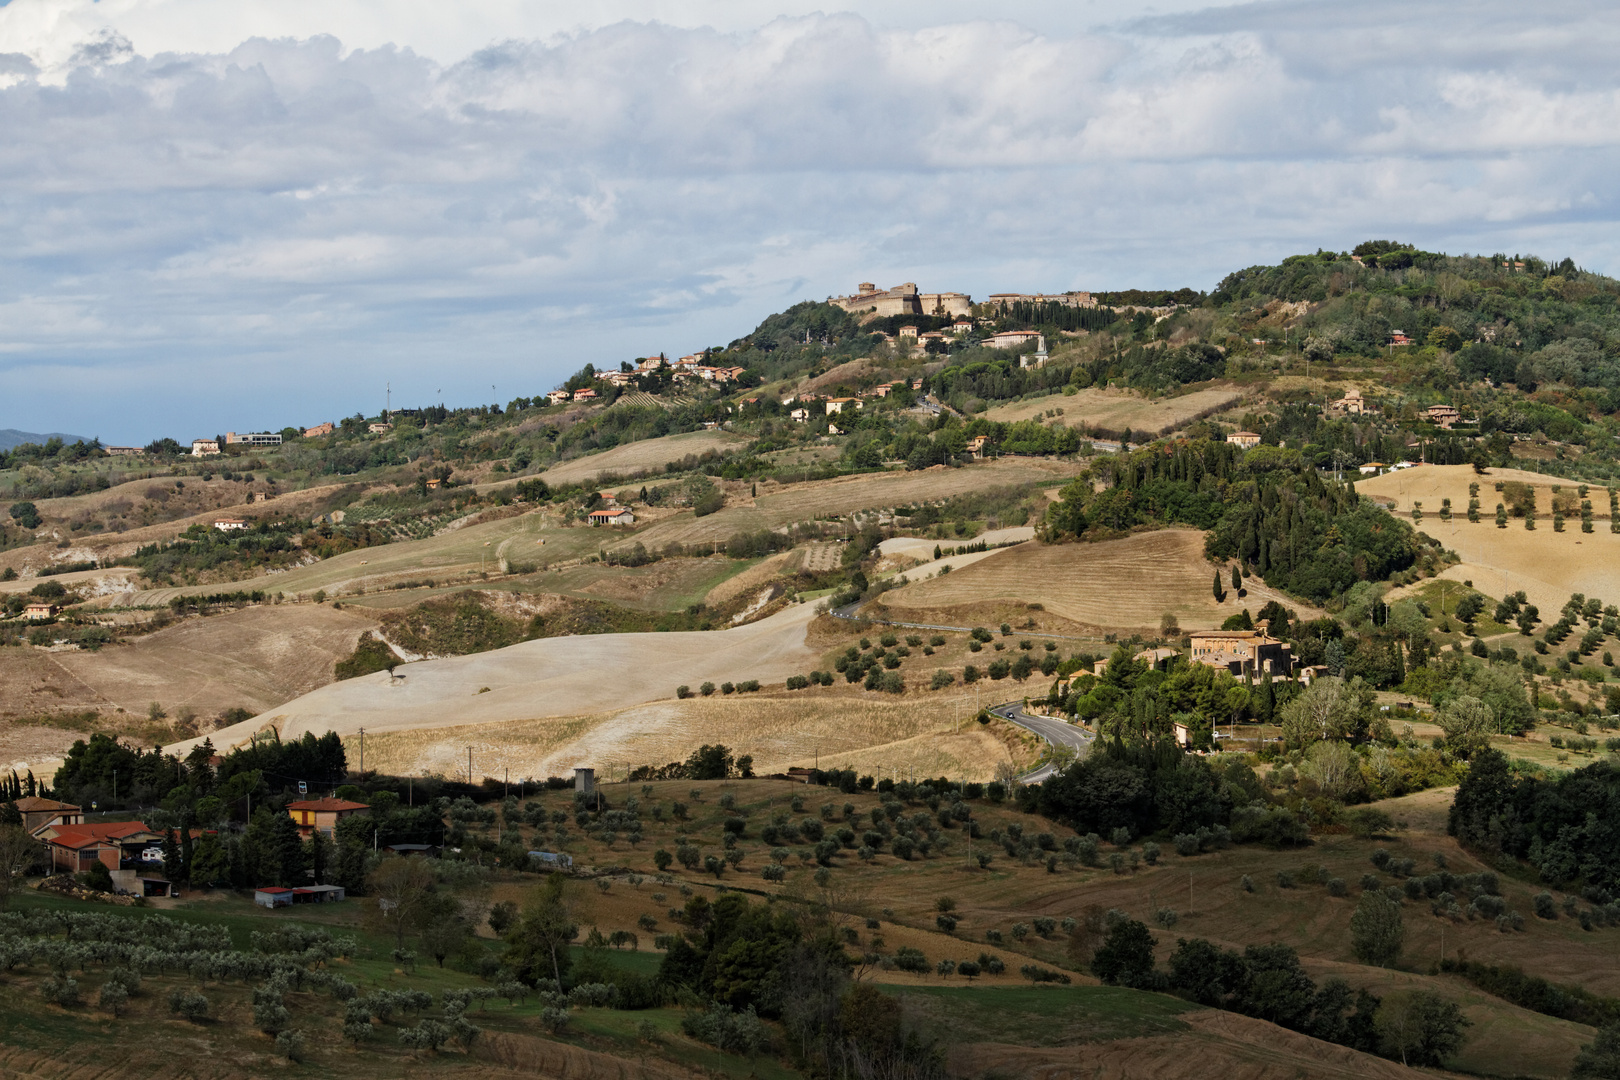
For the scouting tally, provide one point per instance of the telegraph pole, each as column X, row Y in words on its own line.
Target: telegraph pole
column 469, row 766
column 362, row 751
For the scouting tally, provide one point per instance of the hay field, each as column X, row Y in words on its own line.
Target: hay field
column 255, row 659
column 563, row 676
column 883, row 736
column 633, row 457
column 1115, row 410
column 1547, row 565
column 1125, row 584
column 777, row 506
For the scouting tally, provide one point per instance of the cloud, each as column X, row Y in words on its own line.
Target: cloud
column 264, row 233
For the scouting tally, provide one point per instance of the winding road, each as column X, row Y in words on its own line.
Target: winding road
column 1056, row 732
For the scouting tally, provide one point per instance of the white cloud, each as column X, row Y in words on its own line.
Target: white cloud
column 301, row 218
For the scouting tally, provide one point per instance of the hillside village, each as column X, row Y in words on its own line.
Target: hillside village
column 1117, row 657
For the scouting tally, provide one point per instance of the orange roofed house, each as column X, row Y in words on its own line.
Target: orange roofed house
column 322, row 814
column 1242, row 652
column 37, row 813
column 76, row 848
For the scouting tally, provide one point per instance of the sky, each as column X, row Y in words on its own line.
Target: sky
column 243, row 216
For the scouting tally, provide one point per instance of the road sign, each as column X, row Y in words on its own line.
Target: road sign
column 303, row 788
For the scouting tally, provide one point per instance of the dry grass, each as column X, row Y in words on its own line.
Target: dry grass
column 1113, row 411
column 1547, row 565
column 648, row 454
column 1125, row 584
column 835, row 728
column 255, row 658
column 778, row 505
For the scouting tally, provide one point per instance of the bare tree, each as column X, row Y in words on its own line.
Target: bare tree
column 402, row 887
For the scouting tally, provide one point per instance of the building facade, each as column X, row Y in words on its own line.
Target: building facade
column 1244, row 653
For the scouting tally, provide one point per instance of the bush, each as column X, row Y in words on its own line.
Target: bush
column 290, row 1044
column 189, row 1004
column 909, row 959
column 1337, row 887
column 1545, row 909
column 1166, row 917
column 1037, row 974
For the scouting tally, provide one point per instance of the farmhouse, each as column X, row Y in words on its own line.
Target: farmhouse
column 320, row 429
column 1242, row 652
column 1248, row 440
column 76, row 848
column 37, row 813
column 800, row 415
column 836, row 405
column 39, row 610
column 1352, row 404
column 1398, row 337
column 311, row 815
column 230, row 524
column 619, row 515
column 123, row 451
column 557, row 397
column 204, row 447
column 1373, row 468
column 1443, row 415
column 976, row 445
column 380, row 428
column 584, row 395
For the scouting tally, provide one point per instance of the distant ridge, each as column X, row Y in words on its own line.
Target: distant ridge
column 11, row 437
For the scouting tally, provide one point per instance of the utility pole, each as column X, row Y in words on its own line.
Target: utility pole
column 469, row 766
column 362, row 751
column 506, row 785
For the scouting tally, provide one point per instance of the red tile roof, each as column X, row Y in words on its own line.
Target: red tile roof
column 29, row 804
column 78, row 836
column 327, row 804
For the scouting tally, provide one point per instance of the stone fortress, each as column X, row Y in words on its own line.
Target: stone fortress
column 903, row 300
column 868, row 299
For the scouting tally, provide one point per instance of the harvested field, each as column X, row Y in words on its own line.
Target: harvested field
column 778, row 506
column 255, row 659
column 1112, row 411
column 566, row 676
column 1217, row 1044
column 648, row 454
column 1125, row 584
column 1547, row 565
column 835, row 727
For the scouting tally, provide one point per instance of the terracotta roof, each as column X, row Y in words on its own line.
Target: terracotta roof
column 29, row 804
column 1228, row 635
column 327, row 804
column 78, row 836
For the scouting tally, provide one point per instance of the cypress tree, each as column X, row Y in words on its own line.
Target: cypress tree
column 1237, row 578
column 1220, row 593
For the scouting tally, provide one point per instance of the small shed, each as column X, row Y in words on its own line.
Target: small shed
column 584, row 779
column 318, row 894
column 273, row 896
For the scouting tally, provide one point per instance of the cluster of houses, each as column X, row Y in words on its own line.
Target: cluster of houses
column 126, row 848
column 1247, row 654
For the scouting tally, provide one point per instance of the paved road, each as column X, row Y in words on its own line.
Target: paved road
column 1054, row 731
